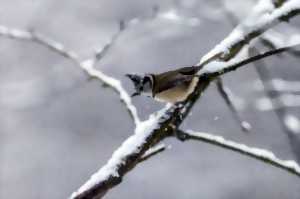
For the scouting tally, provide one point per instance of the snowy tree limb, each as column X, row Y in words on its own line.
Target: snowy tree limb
column 259, row 154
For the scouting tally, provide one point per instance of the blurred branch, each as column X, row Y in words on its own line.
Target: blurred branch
column 225, row 93
column 278, row 105
column 259, row 154
column 283, row 101
column 87, row 65
column 280, row 85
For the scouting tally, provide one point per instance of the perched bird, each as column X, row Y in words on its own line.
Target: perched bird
column 171, row 86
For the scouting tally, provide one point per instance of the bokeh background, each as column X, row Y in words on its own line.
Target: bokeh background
column 57, row 128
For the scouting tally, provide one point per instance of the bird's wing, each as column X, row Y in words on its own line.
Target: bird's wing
column 192, row 70
column 180, row 77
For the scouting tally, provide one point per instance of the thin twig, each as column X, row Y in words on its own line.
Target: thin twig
column 234, row 66
column 259, row 154
column 152, row 152
column 224, row 92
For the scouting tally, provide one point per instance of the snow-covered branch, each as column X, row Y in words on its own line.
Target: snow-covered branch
column 147, row 134
column 87, row 65
column 34, row 36
column 257, row 153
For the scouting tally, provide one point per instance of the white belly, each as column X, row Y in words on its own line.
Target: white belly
column 177, row 94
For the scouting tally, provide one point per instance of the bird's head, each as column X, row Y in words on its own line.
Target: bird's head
column 142, row 84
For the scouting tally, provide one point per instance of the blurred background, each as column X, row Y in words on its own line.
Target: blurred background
column 57, row 128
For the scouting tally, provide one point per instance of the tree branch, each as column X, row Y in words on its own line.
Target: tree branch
column 259, row 154
column 152, row 152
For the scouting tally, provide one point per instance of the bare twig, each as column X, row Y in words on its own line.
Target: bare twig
column 259, row 154
column 224, row 92
column 228, row 67
column 153, row 151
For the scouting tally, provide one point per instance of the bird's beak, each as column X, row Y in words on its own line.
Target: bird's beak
column 133, row 77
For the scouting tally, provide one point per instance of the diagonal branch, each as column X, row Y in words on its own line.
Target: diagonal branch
column 152, row 152
column 257, row 153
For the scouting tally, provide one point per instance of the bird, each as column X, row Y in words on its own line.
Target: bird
column 169, row 87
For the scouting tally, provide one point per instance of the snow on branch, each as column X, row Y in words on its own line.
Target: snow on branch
column 87, row 65
column 264, row 16
column 257, row 153
column 153, row 151
column 33, row 36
